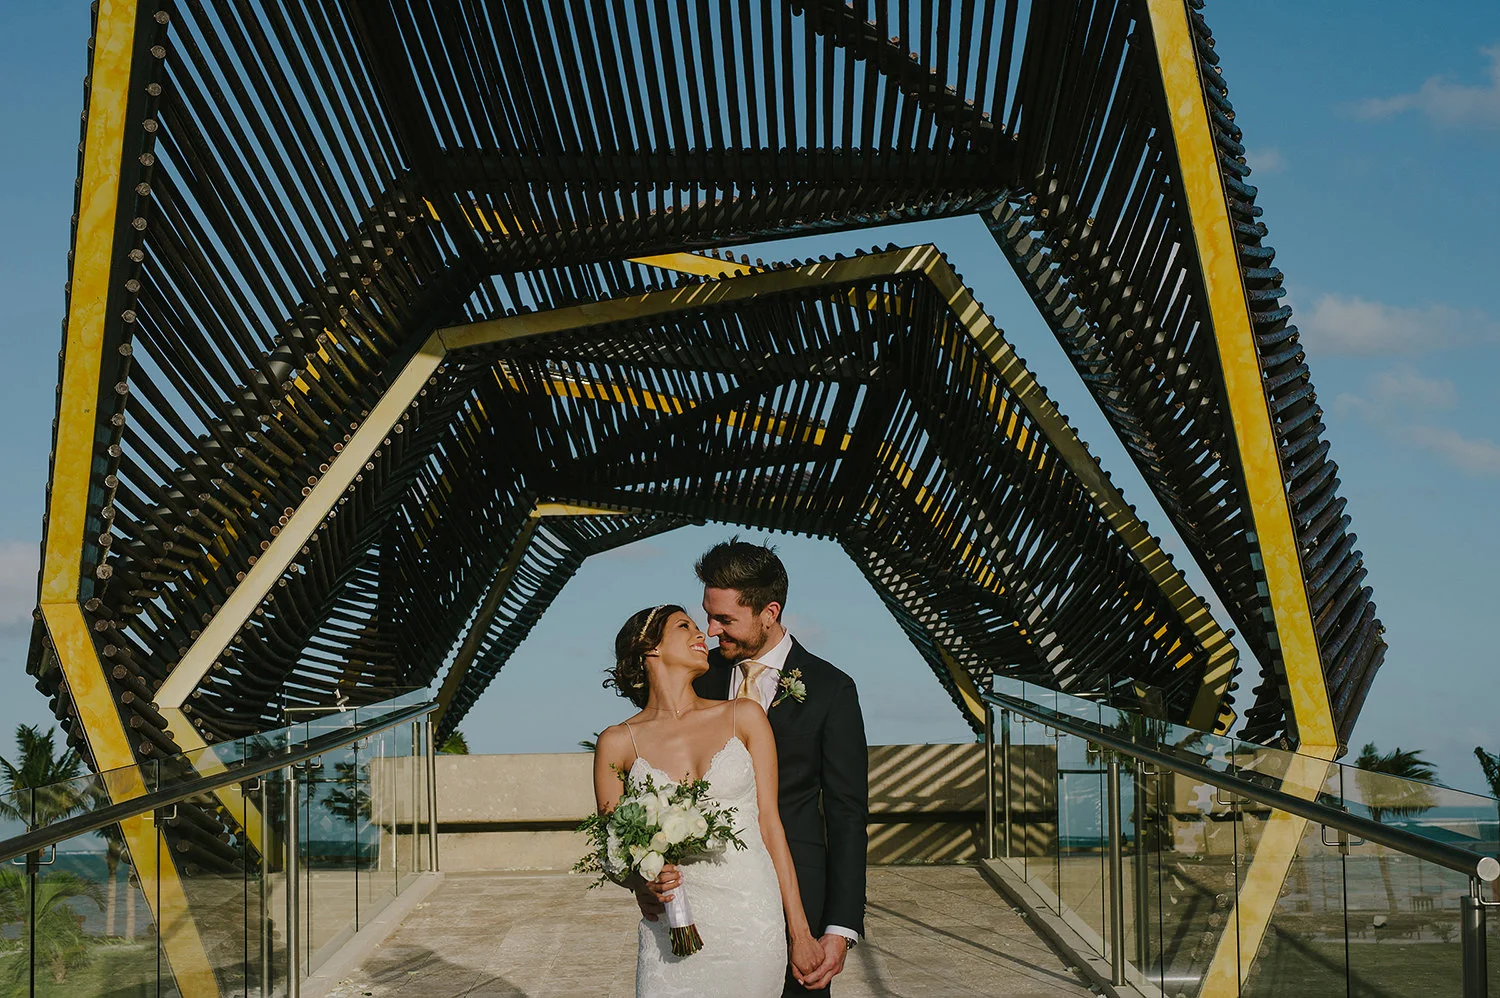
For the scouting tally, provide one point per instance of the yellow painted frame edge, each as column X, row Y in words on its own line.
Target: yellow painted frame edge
column 72, row 469
column 1229, row 311
column 275, row 560
column 1220, row 652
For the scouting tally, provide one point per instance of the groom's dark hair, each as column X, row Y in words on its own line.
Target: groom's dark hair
column 752, row 570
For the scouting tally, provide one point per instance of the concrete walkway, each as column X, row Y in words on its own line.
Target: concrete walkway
column 933, row 932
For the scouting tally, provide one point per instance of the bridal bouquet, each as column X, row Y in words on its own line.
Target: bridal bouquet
column 652, row 827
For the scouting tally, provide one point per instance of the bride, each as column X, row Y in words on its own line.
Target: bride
column 745, row 902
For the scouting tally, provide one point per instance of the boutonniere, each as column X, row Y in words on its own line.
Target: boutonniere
column 791, row 685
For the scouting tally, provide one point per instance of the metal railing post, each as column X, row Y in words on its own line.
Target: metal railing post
column 432, row 842
column 989, row 782
column 1116, row 877
column 293, row 867
column 1005, row 770
column 267, row 935
column 1471, row 932
column 1142, row 871
column 416, row 806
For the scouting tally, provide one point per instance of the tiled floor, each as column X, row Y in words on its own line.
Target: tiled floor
column 933, row 932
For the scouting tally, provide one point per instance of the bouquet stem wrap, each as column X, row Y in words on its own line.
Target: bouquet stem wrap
column 680, row 927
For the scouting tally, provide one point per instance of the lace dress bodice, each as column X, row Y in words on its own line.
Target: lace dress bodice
column 735, row 898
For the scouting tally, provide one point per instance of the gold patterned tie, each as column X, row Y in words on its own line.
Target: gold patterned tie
column 750, row 685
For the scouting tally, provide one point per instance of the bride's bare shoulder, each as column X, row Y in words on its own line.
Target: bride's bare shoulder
column 614, row 741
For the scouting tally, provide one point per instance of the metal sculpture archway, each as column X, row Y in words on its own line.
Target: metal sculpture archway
column 309, row 235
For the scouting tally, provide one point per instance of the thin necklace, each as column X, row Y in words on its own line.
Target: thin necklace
column 659, row 710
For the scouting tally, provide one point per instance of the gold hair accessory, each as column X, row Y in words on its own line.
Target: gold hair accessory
column 649, row 617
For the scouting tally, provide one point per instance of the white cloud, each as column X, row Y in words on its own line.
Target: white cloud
column 18, row 568
column 1445, row 102
column 1264, row 161
column 1405, row 385
column 1472, row 455
column 1342, row 324
column 1401, row 402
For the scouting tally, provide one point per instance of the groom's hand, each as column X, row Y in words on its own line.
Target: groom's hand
column 652, row 895
column 835, row 948
column 806, row 956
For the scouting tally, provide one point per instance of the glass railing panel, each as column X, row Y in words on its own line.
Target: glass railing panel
column 1082, row 843
column 1195, row 874
column 1303, row 948
column 330, row 897
column 1492, row 943
column 1466, row 820
column 1460, row 819
column 272, row 888
column 1034, row 822
column 206, row 844
column 1403, row 923
column 88, row 930
column 15, row 895
column 380, row 774
column 211, row 869
column 1137, row 810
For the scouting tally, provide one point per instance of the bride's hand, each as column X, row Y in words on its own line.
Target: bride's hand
column 806, row 955
column 667, row 881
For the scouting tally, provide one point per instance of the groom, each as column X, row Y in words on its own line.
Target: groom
column 820, row 742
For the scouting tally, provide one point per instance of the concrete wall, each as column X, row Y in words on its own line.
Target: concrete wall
column 517, row 812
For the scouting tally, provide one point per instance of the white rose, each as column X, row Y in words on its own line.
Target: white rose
column 651, row 865
column 659, row 842
column 697, row 824
column 675, row 826
column 637, row 853
column 650, row 802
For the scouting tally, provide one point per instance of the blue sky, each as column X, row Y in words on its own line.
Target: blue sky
column 1374, row 131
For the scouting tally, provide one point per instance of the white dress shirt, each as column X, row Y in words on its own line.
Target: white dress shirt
column 769, row 687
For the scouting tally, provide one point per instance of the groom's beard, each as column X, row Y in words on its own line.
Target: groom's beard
column 737, row 651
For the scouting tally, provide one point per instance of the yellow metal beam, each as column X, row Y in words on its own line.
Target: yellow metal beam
column 278, row 557
column 1220, row 652
column 1259, row 883
column 206, row 762
column 1255, row 438
column 109, row 744
column 965, row 683
column 68, row 501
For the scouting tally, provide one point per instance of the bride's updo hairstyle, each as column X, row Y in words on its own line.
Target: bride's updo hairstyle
column 641, row 633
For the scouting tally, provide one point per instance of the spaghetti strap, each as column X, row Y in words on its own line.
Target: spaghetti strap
column 634, row 747
column 734, row 718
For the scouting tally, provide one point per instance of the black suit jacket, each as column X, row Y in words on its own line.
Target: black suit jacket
column 824, row 793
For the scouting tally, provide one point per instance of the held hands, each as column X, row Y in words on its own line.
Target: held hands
column 806, row 957
column 652, row 895
column 831, row 950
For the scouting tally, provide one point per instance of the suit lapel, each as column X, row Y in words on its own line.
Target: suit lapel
column 786, row 714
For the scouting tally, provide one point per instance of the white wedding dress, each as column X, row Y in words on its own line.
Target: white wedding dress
column 735, row 899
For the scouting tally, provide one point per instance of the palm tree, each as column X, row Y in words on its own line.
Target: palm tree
column 114, row 854
column 45, row 787
column 1490, row 763
column 455, row 744
column 1393, row 786
column 51, row 929
column 42, row 788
